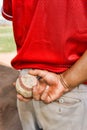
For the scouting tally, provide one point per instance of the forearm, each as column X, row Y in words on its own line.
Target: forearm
column 77, row 74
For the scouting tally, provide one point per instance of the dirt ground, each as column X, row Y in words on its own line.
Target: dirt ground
column 5, row 58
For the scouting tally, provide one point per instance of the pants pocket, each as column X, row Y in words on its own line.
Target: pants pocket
column 64, row 113
column 68, row 102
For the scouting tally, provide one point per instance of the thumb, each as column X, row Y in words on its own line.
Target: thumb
column 37, row 72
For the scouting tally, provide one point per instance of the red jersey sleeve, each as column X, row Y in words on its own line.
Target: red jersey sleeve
column 7, row 9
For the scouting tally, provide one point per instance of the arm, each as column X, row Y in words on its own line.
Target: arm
column 77, row 74
column 51, row 87
column 55, row 87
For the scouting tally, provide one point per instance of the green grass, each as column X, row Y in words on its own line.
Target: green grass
column 7, row 43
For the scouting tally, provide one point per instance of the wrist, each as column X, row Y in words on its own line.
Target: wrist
column 63, row 82
column 66, row 83
column 77, row 73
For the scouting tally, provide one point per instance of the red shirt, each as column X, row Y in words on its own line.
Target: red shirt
column 49, row 34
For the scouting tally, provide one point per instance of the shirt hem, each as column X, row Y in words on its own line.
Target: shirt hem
column 56, row 69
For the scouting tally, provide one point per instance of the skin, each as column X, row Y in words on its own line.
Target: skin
column 50, row 88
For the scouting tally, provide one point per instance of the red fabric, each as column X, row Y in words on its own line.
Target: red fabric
column 7, row 9
column 49, row 34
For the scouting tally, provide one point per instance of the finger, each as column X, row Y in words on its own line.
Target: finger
column 42, row 85
column 48, row 100
column 36, row 94
column 45, row 94
column 52, row 96
column 49, row 95
column 21, row 98
column 38, row 90
column 14, row 84
column 37, row 72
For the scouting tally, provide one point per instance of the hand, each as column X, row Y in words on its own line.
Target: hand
column 49, row 87
column 20, row 97
column 23, row 99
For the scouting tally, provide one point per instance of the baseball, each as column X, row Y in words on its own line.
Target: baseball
column 24, row 85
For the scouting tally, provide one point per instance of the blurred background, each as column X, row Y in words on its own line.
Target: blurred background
column 7, row 43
